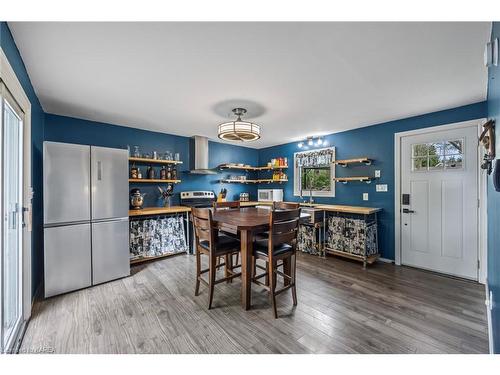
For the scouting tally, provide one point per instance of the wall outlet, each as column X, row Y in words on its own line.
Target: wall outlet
column 377, row 173
column 365, row 196
column 381, row 188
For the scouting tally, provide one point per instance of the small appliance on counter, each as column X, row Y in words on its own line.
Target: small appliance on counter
column 270, row 195
column 244, row 197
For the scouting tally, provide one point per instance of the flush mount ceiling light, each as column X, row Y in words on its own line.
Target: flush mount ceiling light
column 239, row 130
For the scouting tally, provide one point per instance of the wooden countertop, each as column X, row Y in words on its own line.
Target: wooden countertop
column 348, row 209
column 158, row 211
column 327, row 207
column 254, row 203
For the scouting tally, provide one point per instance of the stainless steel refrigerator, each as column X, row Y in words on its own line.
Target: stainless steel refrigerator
column 85, row 216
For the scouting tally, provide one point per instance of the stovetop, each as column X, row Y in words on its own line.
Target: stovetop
column 197, row 198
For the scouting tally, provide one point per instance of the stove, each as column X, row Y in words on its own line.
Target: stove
column 198, row 199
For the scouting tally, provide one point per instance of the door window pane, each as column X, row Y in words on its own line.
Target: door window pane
column 420, row 164
column 453, row 161
column 453, row 147
column 420, row 150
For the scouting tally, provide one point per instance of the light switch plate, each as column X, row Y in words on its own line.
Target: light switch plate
column 377, row 173
column 381, row 188
column 365, row 196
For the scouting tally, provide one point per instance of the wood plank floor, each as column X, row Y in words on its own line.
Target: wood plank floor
column 341, row 309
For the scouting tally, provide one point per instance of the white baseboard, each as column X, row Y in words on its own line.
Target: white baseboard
column 385, row 260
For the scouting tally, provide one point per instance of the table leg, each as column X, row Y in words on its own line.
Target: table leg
column 246, row 268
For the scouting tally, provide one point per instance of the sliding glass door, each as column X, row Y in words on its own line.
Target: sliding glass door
column 11, row 280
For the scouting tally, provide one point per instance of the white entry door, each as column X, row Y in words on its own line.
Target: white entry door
column 439, row 211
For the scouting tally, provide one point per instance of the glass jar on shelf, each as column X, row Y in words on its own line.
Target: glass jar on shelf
column 167, row 155
column 137, row 152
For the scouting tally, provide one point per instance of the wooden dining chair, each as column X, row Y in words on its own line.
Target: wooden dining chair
column 285, row 205
column 225, row 229
column 280, row 246
column 209, row 242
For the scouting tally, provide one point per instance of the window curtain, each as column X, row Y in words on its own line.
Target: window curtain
column 315, row 158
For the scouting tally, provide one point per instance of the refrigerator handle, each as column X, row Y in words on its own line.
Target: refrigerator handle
column 99, row 171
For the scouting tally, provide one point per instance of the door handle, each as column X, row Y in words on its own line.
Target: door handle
column 99, row 171
column 408, row 211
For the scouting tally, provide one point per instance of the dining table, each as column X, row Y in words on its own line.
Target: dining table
column 249, row 222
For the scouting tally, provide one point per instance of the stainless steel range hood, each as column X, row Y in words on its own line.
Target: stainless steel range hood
column 198, row 156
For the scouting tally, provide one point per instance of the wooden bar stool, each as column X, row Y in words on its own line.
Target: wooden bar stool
column 280, row 246
column 208, row 241
column 227, row 230
column 278, row 206
column 285, row 205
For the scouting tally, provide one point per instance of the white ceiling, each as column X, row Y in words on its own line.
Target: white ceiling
column 296, row 79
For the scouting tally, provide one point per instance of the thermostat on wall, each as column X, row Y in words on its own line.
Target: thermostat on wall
column 381, row 188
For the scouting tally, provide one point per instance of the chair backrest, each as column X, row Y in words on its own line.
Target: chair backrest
column 283, row 227
column 203, row 226
column 227, row 205
column 285, row 206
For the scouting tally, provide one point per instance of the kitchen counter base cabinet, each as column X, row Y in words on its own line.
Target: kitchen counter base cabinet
column 352, row 236
column 309, row 239
column 155, row 237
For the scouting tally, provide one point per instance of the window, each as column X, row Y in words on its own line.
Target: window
column 438, row 156
column 317, row 179
column 314, row 173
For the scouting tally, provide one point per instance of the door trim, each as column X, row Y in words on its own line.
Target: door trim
column 15, row 88
column 482, row 217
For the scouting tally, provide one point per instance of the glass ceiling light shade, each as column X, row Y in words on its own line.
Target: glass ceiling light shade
column 239, row 130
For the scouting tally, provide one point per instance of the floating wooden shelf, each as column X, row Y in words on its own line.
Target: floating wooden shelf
column 344, row 163
column 345, row 180
column 250, row 168
column 260, row 181
column 240, row 181
column 271, row 181
column 266, row 168
column 153, row 161
column 156, row 180
column 146, row 259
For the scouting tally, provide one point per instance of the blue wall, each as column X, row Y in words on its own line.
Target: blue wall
column 494, row 200
column 37, row 120
column 375, row 142
column 71, row 130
